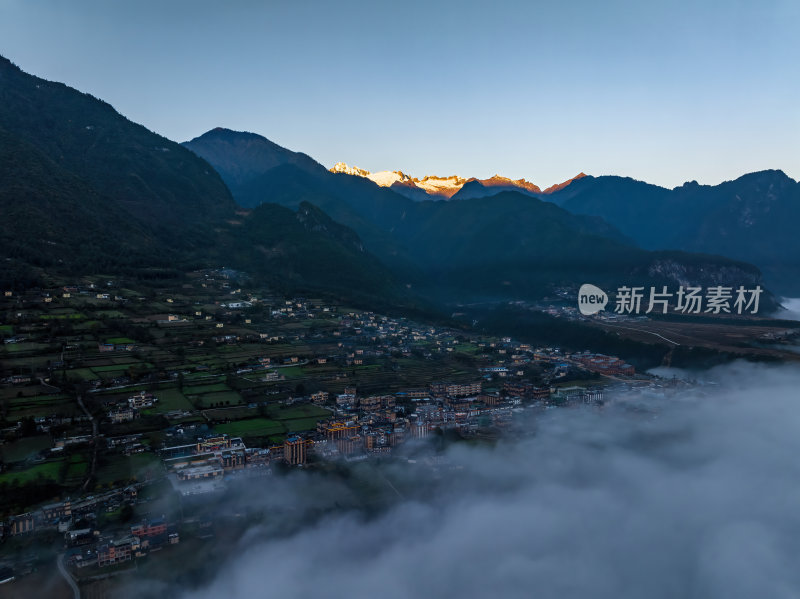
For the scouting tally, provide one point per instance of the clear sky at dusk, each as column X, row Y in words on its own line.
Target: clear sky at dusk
column 665, row 92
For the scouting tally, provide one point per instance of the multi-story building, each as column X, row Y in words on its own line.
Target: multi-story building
column 320, row 397
column 233, row 459
column 121, row 414
column 489, row 399
column 455, row 389
column 540, row 393
column 201, row 471
column 350, row 445
column 54, row 511
column 21, row 524
column 141, row 400
column 339, row 430
column 153, row 528
column 345, row 400
column 115, row 552
column 415, row 393
column 214, row 443
column 295, row 450
column 374, row 403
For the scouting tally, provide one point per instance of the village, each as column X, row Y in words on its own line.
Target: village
column 124, row 408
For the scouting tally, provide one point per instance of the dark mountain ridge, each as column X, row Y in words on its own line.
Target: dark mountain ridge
column 508, row 246
column 84, row 190
column 753, row 218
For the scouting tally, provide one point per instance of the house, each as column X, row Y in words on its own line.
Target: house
column 320, row 397
column 153, row 528
column 121, row 414
column 115, row 552
column 141, row 400
column 21, row 524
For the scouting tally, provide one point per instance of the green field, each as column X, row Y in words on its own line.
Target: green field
column 19, row 348
column 299, row 411
column 300, row 418
column 299, row 425
column 171, row 399
column 122, row 367
column 41, row 405
column 255, row 427
column 85, row 374
column 220, row 398
column 115, row 469
column 49, row 470
column 200, row 389
column 110, row 314
column 230, row 413
column 292, row 372
column 24, row 448
column 76, row 470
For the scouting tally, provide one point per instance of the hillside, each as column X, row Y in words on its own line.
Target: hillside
column 753, row 218
column 84, row 190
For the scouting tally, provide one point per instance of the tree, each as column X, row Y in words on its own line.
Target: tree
column 126, row 513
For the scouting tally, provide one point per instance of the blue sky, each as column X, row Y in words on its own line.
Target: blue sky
column 664, row 92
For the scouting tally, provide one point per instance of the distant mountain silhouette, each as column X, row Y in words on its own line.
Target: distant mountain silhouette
column 509, row 245
column 240, row 157
column 754, row 218
column 84, row 190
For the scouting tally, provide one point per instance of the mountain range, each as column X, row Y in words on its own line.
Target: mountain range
column 83, row 189
column 752, row 218
column 511, row 244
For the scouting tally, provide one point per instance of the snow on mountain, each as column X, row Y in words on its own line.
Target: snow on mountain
column 388, row 178
column 441, row 186
column 431, row 185
column 434, row 187
column 341, row 167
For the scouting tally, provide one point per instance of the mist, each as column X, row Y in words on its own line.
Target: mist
column 790, row 308
column 694, row 495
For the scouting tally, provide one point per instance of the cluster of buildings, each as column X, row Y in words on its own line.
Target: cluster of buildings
column 201, row 467
column 602, row 364
column 128, row 411
column 86, row 547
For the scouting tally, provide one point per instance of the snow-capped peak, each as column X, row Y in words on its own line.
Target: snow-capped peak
column 341, row 167
column 389, row 178
column 432, row 186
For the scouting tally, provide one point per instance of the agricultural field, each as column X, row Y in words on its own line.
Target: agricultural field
column 170, row 400
column 253, row 427
column 49, row 470
column 117, row 468
column 26, row 448
column 40, row 405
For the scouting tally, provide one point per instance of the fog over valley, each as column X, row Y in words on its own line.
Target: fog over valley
column 688, row 496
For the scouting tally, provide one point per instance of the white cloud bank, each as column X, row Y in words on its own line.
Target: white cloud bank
column 696, row 498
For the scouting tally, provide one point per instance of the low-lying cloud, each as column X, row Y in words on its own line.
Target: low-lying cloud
column 790, row 309
column 692, row 496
